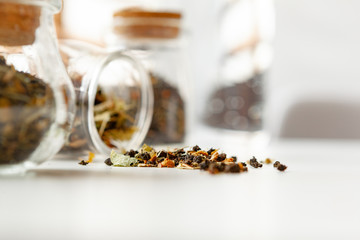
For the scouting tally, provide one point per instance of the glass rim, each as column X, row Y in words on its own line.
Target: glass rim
column 146, row 103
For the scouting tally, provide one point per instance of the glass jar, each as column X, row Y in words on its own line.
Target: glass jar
column 36, row 96
column 246, row 31
column 114, row 99
column 155, row 38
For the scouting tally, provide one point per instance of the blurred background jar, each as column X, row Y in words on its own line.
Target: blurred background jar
column 155, row 37
column 114, row 99
column 36, row 95
column 245, row 33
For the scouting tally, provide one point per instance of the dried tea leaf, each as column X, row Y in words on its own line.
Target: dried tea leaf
column 146, row 148
column 121, row 160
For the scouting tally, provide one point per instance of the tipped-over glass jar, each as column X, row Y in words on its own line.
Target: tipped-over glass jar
column 155, row 38
column 36, row 96
column 114, row 99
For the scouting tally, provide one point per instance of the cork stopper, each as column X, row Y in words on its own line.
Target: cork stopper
column 18, row 23
column 140, row 23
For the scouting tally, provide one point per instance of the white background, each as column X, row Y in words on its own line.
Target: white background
column 316, row 51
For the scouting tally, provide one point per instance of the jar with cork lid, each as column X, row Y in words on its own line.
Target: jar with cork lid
column 156, row 39
column 36, row 96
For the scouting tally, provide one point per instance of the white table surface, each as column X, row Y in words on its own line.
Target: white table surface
column 317, row 197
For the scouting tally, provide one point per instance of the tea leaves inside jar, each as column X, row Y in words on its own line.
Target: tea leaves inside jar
column 113, row 116
column 26, row 112
column 168, row 121
column 238, row 106
column 113, row 119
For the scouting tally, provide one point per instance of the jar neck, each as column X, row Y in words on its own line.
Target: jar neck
column 108, row 76
column 118, row 42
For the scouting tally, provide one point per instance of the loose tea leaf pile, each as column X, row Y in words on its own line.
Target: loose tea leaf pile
column 168, row 122
column 27, row 109
column 195, row 158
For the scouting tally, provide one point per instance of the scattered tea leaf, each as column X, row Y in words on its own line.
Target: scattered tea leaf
column 121, row 160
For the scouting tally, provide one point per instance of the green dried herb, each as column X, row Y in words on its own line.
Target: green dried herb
column 121, row 160
column 27, row 109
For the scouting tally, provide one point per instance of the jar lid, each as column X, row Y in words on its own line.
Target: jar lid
column 20, row 19
column 18, row 23
column 140, row 23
